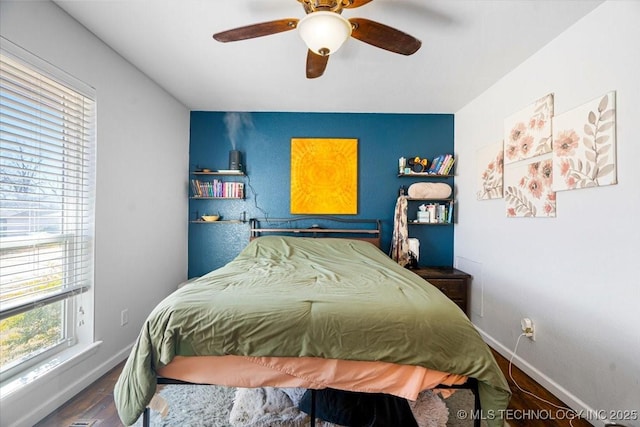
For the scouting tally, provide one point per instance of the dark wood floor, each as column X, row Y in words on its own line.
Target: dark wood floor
column 527, row 411
column 96, row 403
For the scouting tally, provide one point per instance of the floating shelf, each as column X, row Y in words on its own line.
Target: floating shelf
column 414, row 222
column 222, row 221
column 220, row 173
column 423, row 175
column 216, row 198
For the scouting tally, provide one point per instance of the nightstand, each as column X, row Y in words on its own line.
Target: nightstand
column 451, row 282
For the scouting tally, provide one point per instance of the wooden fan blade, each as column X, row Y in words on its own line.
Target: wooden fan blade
column 257, row 30
column 316, row 64
column 357, row 3
column 384, row 37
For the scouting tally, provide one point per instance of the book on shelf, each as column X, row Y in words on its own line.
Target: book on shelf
column 450, row 167
column 217, row 189
column 435, row 164
column 445, row 169
column 441, row 164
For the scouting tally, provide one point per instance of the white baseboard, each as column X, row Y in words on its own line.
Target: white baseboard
column 572, row 401
column 39, row 409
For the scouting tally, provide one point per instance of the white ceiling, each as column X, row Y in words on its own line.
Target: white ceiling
column 467, row 45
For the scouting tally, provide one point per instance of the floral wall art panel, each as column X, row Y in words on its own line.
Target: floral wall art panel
column 324, row 176
column 527, row 133
column 490, row 164
column 584, row 145
column 527, row 189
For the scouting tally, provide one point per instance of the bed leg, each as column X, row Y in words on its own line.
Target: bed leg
column 313, row 408
column 145, row 417
column 477, row 409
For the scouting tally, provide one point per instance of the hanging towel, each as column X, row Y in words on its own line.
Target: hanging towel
column 400, row 239
column 414, row 248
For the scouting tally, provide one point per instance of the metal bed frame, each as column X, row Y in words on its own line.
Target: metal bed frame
column 369, row 230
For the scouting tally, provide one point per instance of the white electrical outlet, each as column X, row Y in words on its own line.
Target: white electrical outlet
column 528, row 330
column 124, row 317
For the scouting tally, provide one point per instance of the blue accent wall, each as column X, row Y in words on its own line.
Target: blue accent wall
column 264, row 138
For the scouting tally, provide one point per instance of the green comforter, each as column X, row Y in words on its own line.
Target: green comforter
column 294, row 296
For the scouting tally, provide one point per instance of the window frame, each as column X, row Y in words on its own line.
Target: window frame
column 72, row 298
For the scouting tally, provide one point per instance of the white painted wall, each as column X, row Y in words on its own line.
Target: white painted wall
column 576, row 275
column 141, row 200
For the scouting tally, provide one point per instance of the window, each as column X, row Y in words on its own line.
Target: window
column 47, row 164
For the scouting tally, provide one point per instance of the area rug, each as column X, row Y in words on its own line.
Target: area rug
column 216, row 406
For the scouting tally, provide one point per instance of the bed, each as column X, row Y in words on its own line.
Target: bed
column 294, row 310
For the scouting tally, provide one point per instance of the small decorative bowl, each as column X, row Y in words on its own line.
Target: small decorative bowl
column 210, row 218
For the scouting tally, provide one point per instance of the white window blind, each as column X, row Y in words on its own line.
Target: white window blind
column 47, row 163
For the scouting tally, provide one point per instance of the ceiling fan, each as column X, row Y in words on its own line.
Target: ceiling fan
column 324, row 30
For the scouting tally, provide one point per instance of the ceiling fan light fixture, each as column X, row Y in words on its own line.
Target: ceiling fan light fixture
column 324, row 32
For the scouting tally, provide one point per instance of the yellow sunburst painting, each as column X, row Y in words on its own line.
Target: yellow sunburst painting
column 324, row 176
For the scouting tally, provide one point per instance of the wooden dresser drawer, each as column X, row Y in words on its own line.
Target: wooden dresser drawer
column 450, row 281
column 454, row 289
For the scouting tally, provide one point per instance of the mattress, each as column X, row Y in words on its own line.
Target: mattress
column 308, row 372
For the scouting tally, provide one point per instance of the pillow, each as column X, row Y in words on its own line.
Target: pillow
column 429, row 190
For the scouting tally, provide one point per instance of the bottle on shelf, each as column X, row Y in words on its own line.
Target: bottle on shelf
column 440, row 212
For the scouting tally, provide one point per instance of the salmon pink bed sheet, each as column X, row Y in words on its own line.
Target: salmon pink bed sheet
column 308, row 372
